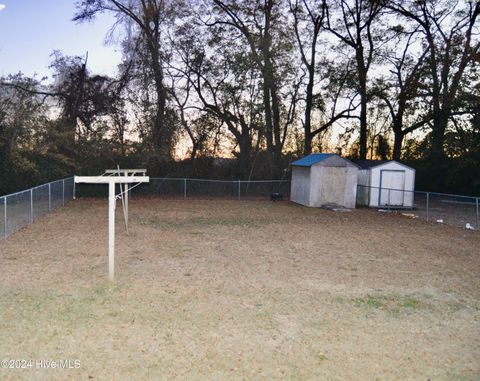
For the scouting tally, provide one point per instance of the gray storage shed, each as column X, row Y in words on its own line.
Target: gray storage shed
column 324, row 178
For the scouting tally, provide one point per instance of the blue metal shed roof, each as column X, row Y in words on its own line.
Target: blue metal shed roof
column 311, row 159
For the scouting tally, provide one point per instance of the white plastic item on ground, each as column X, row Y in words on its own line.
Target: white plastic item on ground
column 440, row 221
column 469, row 227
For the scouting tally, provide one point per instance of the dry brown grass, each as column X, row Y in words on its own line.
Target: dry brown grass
column 235, row 290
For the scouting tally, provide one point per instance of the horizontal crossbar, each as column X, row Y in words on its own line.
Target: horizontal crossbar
column 123, row 171
column 111, row 179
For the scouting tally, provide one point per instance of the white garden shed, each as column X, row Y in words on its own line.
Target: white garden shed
column 324, row 178
column 385, row 183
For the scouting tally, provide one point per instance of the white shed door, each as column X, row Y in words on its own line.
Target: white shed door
column 392, row 186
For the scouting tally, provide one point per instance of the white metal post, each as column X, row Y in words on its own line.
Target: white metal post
column 428, row 201
column 31, row 205
column 74, row 189
column 111, row 230
column 476, row 204
column 125, row 201
column 126, row 205
column 5, row 217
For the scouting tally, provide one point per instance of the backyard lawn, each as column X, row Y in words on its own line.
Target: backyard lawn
column 240, row 290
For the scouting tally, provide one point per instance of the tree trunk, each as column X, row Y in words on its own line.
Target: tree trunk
column 160, row 136
column 277, row 133
column 193, row 154
column 307, row 127
column 245, row 145
column 397, row 145
column 307, row 146
column 440, row 121
column 161, row 140
column 270, row 95
column 362, row 77
column 268, row 116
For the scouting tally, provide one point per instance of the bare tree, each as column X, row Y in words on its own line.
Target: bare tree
column 309, row 19
column 149, row 18
column 354, row 24
column 261, row 25
column 403, row 90
column 450, row 31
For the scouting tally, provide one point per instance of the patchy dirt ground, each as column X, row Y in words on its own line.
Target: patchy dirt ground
column 241, row 290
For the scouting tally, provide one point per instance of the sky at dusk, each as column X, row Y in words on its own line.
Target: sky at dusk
column 30, row 30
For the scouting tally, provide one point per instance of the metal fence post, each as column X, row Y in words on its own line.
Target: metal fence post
column 239, row 189
column 74, row 189
column 388, row 199
column 31, row 205
column 476, row 205
column 428, row 201
column 5, row 217
column 49, row 196
column 63, row 192
column 185, row 189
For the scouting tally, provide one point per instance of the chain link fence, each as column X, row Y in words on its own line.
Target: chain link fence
column 201, row 188
column 456, row 210
column 22, row 208
column 450, row 209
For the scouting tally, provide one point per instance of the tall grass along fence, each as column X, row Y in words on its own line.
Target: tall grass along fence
column 22, row 208
column 441, row 208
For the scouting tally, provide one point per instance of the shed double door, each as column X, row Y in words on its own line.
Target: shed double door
column 392, row 186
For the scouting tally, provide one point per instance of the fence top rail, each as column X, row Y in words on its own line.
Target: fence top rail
column 423, row 192
column 39, row 186
column 59, row 180
column 265, row 181
column 219, row 181
column 17, row 193
column 35, row 187
column 190, row 179
column 450, row 195
column 52, row 182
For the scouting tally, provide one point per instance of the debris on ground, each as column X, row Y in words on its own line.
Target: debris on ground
column 276, row 196
column 469, row 227
column 336, row 208
column 410, row 215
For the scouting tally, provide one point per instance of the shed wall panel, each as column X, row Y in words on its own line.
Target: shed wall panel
column 336, row 185
column 316, row 179
column 351, row 187
column 333, row 185
column 300, row 185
